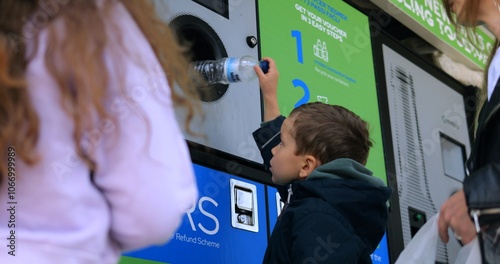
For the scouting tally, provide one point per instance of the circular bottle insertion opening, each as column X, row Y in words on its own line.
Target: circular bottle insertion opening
column 204, row 44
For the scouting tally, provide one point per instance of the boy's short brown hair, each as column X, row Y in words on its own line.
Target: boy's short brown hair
column 330, row 132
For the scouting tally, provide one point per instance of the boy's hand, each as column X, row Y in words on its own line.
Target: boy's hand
column 269, row 86
column 268, row 81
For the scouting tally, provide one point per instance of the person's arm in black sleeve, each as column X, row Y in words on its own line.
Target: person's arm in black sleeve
column 482, row 186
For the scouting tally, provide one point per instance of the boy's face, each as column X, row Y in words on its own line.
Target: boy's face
column 285, row 164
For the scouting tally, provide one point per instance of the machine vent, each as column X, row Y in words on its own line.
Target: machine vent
column 411, row 172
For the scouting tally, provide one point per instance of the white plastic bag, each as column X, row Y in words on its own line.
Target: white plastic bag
column 422, row 248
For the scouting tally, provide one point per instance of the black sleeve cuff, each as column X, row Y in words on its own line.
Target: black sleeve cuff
column 482, row 188
column 267, row 137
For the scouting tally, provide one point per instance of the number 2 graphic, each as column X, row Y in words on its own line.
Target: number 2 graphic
column 303, row 85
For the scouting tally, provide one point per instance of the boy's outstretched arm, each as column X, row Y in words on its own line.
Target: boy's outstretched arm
column 269, row 86
column 267, row 136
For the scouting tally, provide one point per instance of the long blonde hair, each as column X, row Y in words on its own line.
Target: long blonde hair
column 469, row 14
column 83, row 45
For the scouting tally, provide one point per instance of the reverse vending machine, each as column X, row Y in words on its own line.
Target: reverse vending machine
column 426, row 116
column 419, row 119
column 216, row 29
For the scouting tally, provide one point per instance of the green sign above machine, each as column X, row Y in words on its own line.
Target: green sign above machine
column 428, row 19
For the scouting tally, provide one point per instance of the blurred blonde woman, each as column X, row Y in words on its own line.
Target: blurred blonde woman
column 475, row 210
column 92, row 160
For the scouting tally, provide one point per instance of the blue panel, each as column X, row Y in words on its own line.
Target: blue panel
column 381, row 254
column 206, row 234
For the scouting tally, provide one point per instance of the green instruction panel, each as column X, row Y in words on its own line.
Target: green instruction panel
column 323, row 53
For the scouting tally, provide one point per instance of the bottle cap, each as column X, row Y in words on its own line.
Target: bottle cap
column 264, row 65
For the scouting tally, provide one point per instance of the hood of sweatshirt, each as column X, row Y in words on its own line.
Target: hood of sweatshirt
column 352, row 190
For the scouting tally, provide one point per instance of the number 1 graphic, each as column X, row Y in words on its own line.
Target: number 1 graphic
column 296, row 34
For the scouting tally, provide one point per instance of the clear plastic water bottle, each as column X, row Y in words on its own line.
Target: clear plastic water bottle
column 229, row 70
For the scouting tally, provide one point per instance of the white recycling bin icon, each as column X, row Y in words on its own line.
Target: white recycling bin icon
column 320, row 50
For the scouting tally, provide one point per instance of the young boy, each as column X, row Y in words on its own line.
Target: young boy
column 335, row 209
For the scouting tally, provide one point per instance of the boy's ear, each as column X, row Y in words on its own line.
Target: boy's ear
column 310, row 163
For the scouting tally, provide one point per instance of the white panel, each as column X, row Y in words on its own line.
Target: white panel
column 421, row 109
column 229, row 121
